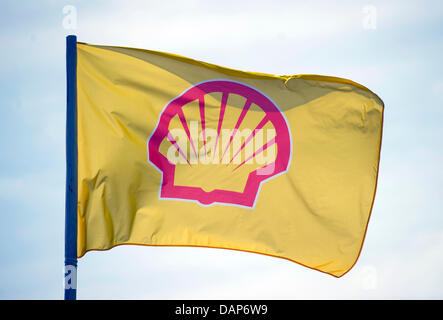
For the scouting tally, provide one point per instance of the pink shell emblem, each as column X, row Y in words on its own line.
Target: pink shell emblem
column 201, row 157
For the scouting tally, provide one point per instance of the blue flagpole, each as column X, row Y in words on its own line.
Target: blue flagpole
column 71, row 171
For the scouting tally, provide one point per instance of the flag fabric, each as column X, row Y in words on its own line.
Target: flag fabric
column 178, row 152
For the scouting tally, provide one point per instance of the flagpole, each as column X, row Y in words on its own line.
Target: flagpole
column 71, row 171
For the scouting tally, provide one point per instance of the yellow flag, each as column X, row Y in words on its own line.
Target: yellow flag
column 178, row 152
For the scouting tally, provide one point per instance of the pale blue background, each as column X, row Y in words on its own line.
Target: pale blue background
column 400, row 60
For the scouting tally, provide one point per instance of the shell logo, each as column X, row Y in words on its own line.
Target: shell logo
column 217, row 142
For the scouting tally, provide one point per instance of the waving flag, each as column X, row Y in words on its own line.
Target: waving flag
column 178, row 152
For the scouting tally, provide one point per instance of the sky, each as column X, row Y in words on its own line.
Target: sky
column 392, row 47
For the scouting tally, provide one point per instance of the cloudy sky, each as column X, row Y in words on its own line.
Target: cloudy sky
column 392, row 47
